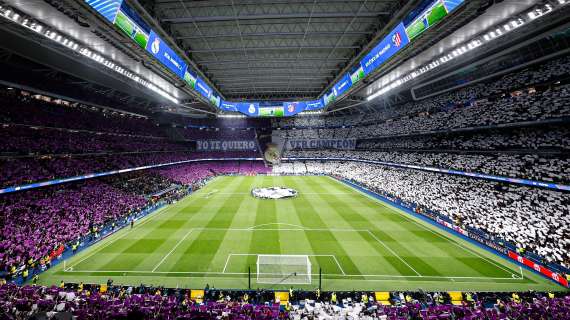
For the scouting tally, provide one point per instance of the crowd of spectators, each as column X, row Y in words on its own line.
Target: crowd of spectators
column 544, row 139
column 507, row 99
column 186, row 174
column 551, row 103
column 534, row 219
column 48, row 138
column 37, row 222
column 433, row 132
column 26, row 141
column 526, row 166
column 146, row 302
column 27, row 170
column 28, row 110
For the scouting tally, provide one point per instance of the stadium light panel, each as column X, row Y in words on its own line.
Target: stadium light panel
column 50, row 34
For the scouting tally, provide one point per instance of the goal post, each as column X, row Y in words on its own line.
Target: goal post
column 283, row 269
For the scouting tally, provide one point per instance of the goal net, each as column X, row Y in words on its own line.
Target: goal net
column 283, row 269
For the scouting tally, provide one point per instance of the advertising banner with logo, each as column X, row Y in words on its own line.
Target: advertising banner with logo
column 292, row 108
column 537, row 267
column 229, row 106
column 390, row 45
column 356, row 75
column 345, row 144
column 132, row 25
column 162, row 52
column 202, row 88
column 342, row 85
column 314, row 105
column 328, row 98
column 225, row 145
column 248, row 108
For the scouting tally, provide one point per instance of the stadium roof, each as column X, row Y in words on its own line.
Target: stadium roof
column 272, row 49
column 252, row 50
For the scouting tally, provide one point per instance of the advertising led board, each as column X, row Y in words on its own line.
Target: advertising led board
column 132, row 25
column 342, row 85
column 292, row 108
column 328, row 98
column 452, row 4
column 203, row 88
column 428, row 13
column 228, row 106
column 107, row 8
column 390, row 45
column 314, row 105
column 190, row 79
column 356, row 75
column 215, row 100
column 162, row 52
column 429, row 17
column 248, row 108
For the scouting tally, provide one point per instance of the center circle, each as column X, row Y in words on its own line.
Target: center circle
column 274, row 193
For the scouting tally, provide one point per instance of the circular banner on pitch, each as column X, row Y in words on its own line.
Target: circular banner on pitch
column 274, row 193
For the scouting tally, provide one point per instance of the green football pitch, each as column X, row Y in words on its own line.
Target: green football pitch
column 215, row 235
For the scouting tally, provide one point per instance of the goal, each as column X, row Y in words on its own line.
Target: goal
column 283, row 269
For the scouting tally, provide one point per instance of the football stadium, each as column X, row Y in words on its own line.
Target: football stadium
column 285, row 159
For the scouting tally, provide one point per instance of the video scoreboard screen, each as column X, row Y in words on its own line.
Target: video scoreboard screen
column 271, row 112
column 107, row 8
column 132, row 25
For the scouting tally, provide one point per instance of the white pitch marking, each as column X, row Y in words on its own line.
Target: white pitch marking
column 96, row 250
column 176, row 246
column 275, row 223
column 394, row 253
column 338, row 264
column 283, row 229
column 405, row 215
column 226, row 265
column 312, row 274
column 473, row 252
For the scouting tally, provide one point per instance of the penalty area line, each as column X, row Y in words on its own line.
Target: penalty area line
column 393, row 252
column 149, row 217
column 175, row 246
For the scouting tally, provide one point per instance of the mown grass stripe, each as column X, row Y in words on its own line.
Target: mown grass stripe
column 199, row 244
column 343, row 211
column 323, row 242
column 484, row 263
column 262, row 242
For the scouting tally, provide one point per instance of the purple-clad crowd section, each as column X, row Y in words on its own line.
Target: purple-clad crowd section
column 48, row 140
column 17, row 171
column 204, row 170
column 116, row 302
column 37, row 222
column 27, row 300
column 26, row 140
column 27, row 110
